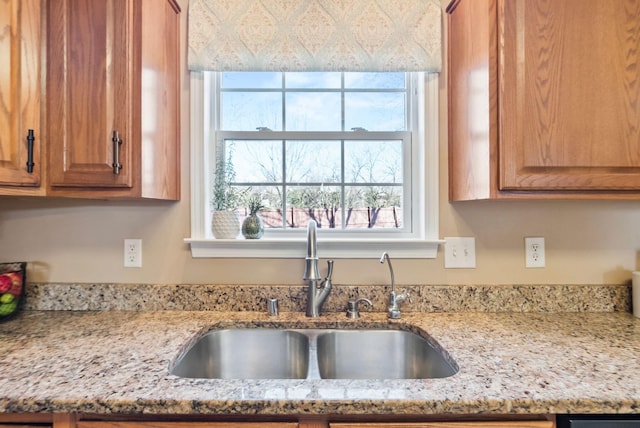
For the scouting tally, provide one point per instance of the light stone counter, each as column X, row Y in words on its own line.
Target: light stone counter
column 510, row 363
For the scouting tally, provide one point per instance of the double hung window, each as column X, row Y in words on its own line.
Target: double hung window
column 333, row 147
column 354, row 151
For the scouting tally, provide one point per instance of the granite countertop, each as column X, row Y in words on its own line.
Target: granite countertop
column 510, row 363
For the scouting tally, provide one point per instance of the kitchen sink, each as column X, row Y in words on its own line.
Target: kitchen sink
column 379, row 354
column 272, row 353
column 246, row 354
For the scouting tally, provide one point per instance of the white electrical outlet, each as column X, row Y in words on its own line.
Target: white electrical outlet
column 534, row 252
column 133, row 253
column 459, row 253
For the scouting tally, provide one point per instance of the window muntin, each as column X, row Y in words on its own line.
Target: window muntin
column 313, row 102
column 289, row 138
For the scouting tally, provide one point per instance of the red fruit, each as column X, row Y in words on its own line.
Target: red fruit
column 5, row 283
column 16, row 283
column 16, row 289
column 16, row 277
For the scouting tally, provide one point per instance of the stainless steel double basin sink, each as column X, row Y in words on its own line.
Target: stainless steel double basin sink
column 273, row 353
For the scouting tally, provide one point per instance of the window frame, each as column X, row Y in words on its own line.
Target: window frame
column 421, row 242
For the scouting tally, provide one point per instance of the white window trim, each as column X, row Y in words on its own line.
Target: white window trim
column 425, row 245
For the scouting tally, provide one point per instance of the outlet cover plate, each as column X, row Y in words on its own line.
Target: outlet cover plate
column 534, row 252
column 133, row 253
column 459, row 253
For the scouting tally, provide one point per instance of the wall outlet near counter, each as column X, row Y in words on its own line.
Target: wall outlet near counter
column 534, row 252
column 459, row 253
column 133, row 253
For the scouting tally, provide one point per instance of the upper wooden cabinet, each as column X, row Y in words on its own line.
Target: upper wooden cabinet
column 21, row 88
column 112, row 106
column 544, row 99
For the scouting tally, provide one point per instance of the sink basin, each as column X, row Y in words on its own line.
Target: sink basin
column 379, row 354
column 271, row 353
column 246, row 354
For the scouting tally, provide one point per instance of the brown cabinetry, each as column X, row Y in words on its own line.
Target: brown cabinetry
column 61, row 420
column 161, row 424
column 314, row 424
column 27, row 420
column 108, row 126
column 509, row 424
column 21, row 88
column 544, row 99
column 113, row 98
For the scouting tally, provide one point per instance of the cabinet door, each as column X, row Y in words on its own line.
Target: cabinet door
column 20, row 91
column 570, row 96
column 33, row 420
column 163, row 424
column 473, row 108
column 513, row 424
column 90, row 58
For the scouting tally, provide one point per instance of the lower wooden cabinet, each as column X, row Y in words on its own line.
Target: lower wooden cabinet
column 23, row 420
column 315, row 424
column 20, row 425
column 293, row 421
column 123, row 424
column 507, row 424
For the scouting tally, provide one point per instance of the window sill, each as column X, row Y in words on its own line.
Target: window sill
column 328, row 248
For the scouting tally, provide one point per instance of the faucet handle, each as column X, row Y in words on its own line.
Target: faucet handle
column 352, row 307
column 393, row 311
column 404, row 295
column 329, row 269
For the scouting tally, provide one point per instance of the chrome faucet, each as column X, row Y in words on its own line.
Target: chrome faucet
column 393, row 311
column 317, row 290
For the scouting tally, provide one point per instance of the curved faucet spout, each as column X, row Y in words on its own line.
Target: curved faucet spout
column 311, row 240
column 311, row 272
column 317, row 290
column 385, row 255
column 393, row 311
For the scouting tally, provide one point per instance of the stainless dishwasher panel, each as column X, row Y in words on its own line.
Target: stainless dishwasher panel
column 604, row 424
column 598, row 421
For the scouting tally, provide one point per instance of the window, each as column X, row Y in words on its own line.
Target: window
column 354, row 151
column 334, row 147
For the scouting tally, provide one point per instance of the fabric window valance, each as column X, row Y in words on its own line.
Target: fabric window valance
column 315, row 35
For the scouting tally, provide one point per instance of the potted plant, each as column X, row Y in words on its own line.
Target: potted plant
column 224, row 219
column 253, row 226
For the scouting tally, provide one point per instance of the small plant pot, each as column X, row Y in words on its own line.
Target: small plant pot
column 225, row 224
column 253, row 227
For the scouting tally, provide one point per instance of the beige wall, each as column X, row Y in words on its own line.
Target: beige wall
column 81, row 241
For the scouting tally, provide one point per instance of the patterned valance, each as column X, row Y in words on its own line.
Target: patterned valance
column 315, row 35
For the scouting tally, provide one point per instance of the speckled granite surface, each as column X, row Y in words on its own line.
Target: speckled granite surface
column 510, row 363
column 426, row 298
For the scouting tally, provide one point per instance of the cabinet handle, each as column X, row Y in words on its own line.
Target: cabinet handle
column 117, row 141
column 30, row 139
